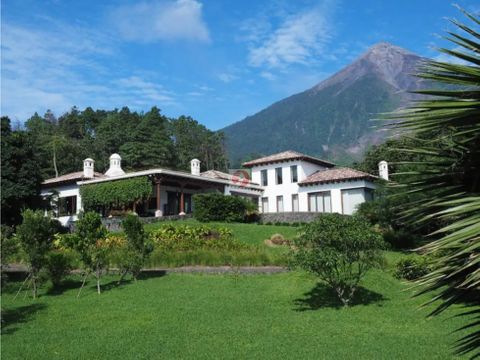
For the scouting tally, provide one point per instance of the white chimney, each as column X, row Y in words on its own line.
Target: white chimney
column 383, row 170
column 195, row 167
column 88, row 168
column 115, row 168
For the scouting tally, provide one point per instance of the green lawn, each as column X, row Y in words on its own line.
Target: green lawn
column 283, row 316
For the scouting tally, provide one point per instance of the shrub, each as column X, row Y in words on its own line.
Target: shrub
column 218, row 207
column 171, row 238
column 35, row 235
column 91, row 243
column 400, row 239
column 137, row 248
column 339, row 250
column 8, row 248
column 411, row 268
column 58, row 265
column 277, row 239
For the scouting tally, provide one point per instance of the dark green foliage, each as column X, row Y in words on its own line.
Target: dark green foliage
column 340, row 250
column 193, row 140
column 401, row 239
column 115, row 193
column 411, row 268
column 58, row 265
column 150, row 144
column 138, row 247
column 218, row 207
column 35, row 235
column 20, row 173
column 8, row 247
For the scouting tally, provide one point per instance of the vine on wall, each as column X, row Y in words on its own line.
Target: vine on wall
column 115, row 193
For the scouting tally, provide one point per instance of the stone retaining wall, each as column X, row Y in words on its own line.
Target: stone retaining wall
column 114, row 223
column 288, row 217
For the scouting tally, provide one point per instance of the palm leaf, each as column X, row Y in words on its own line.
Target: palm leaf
column 449, row 170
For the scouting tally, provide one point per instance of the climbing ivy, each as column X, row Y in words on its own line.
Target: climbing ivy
column 115, row 193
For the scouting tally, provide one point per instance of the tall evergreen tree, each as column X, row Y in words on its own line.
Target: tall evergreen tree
column 20, row 173
column 152, row 145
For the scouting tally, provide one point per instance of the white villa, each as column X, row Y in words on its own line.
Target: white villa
column 285, row 182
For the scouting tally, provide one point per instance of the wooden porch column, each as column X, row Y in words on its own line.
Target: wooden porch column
column 182, row 205
column 158, row 212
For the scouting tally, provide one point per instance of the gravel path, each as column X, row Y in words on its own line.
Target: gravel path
column 19, row 268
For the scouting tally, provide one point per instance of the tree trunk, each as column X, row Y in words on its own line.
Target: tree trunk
column 55, row 161
column 34, row 286
column 98, row 279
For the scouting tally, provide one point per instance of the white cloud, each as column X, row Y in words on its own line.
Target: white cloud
column 297, row 39
column 227, row 77
column 60, row 66
column 267, row 75
column 161, row 20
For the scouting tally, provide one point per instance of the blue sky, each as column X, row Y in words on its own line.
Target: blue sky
column 217, row 61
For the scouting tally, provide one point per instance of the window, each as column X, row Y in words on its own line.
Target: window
column 295, row 202
column 293, row 173
column 279, row 176
column 264, row 178
column 67, row 206
column 280, row 203
column 320, row 202
column 264, row 204
column 369, row 195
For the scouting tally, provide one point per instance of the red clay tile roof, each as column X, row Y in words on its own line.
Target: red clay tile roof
column 72, row 177
column 215, row 174
column 335, row 175
column 286, row 156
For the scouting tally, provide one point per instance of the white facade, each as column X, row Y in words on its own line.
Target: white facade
column 62, row 193
column 341, row 197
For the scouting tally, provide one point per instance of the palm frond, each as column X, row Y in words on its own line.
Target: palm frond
column 448, row 170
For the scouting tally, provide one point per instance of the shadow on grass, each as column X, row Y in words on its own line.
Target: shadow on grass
column 19, row 315
column 67, row 284
column 321, row 296
column 117, row 284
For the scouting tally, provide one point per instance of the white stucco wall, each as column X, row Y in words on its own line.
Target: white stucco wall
column 66, row 191
column 335, row 193
column 287, row 188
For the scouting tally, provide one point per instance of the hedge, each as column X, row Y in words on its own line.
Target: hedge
column 218, row 207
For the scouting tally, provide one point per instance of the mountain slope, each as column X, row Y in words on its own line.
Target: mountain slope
column 332, row 119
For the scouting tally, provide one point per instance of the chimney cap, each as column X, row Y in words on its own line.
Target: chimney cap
column 115, row 156
column 88, row 159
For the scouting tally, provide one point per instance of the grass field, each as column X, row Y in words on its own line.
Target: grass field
column 283, row 316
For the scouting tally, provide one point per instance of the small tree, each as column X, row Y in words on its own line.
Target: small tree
column 35, row 235
column 340, row 250
column 90, row 243
column 8, row 247
column 137, row 248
